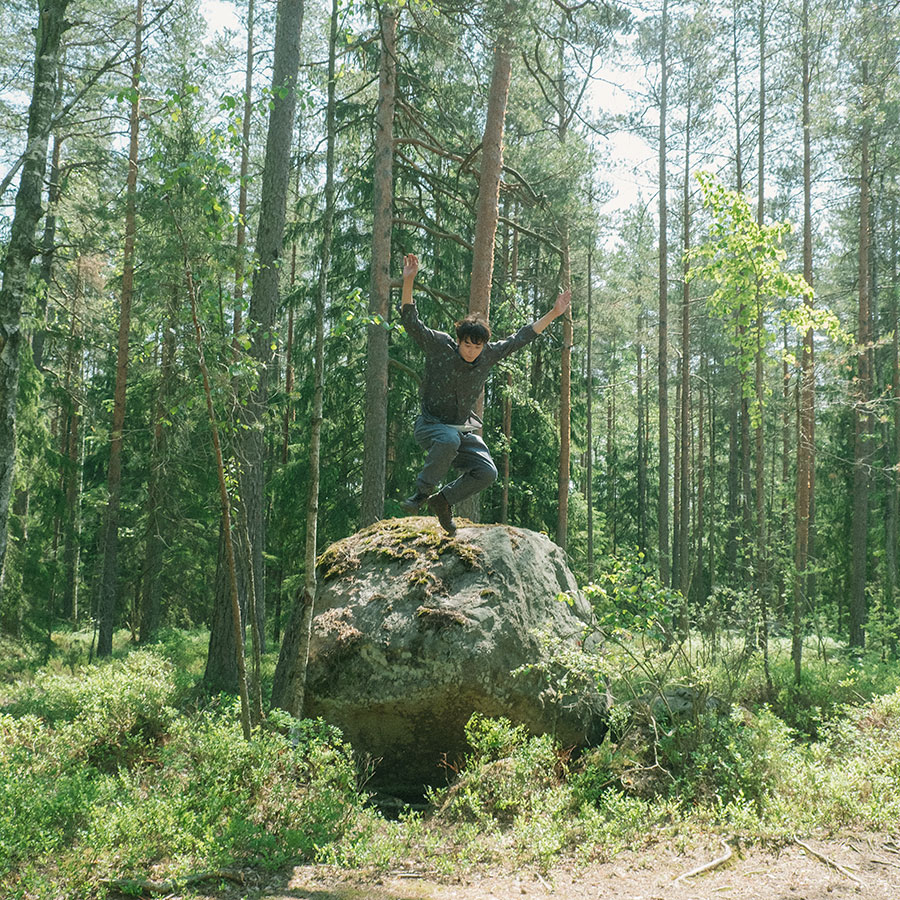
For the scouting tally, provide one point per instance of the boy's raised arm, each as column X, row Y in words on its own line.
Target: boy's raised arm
column 559, row 308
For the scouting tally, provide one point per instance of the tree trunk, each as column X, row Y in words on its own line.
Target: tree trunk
column 512, row 273
column 375, row 435
column 21, row 248
column 663, row 512
column 48, row 251
column 589, row 424
column 700, row 588
column 892, row 525
column 685, row 568
column 641, row 440
column 236, row 623
column 565, row 406
column 761, row 158
column 265, row 295
column 806, row 404
column 735, row 59
column 289, row 685
column 732, row 477
column 488, row 208
column 565, row 369
column 489, row 185
column 106, row 607
column 72, row 481
column 262, row 314
column 246, row 121
column 761, row 567
column 156, row 489
column 859, row 528
column 676, row 482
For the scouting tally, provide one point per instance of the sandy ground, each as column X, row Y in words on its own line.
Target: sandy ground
column 861, row 866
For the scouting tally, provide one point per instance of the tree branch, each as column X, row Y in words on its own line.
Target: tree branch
column 410, row 223
column 533, row 234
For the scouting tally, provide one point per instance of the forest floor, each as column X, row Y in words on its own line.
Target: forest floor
column 859, row 866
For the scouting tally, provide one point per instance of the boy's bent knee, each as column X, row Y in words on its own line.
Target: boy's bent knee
column 486, row 474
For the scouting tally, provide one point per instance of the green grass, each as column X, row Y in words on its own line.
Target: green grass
column 107, row 772
column 122, row 769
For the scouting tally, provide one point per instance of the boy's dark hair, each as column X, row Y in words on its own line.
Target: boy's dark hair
column 474, row 327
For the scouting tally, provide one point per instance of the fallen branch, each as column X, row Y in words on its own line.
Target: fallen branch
column 708, row 867
column 828, row 862
column 142, row 888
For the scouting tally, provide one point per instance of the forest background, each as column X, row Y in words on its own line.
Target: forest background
column 203, row 383
column 703, row 409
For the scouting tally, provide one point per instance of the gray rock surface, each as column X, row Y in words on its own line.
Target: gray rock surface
column 414, row 631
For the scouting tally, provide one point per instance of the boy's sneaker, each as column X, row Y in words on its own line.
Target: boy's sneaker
column 441, row 508
column 413, row 504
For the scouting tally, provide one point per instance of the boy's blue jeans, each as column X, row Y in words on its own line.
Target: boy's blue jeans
column 447, row 447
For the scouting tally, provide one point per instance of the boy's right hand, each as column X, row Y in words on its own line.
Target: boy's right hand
column 410, row 265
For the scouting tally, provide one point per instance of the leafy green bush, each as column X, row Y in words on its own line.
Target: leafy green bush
column 627, row 596
column 101, row 778
column 111, row 714
column 721, row 759
column 853, row 777
column 43, row 801
column 215, row 798
column 505, row 775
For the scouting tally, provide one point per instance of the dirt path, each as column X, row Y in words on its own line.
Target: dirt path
column 870, row 869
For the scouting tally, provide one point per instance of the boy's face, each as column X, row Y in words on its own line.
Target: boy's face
column 470, row 350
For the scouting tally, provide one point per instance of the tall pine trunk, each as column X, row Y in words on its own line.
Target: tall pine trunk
column 641, row 439
column 806, row 404
column 488, row 206
column 892, row 427
column 685, row 567
column 48, row 251
column 289, row 686
column 240, row 273
column 109, row 586
column 74, row 443
column 262, row 314
column 761, row 566
column 860, row 514
column 22, row 248
column 663, row 369
column 589, row 424
column 375, row 434
column 488, row 210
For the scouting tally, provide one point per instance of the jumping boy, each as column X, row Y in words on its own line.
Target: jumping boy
column 455, row 373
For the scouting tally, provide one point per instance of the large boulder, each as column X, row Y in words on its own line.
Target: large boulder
column 414, row 631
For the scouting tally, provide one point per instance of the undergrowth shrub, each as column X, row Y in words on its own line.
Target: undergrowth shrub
column 101, row 778
column 506, row 775
column 721, row 759
column 43, row 800
column 111, row 714
column 215, row 799
column 854, row 774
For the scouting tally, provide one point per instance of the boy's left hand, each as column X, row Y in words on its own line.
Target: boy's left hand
column 563, row 301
